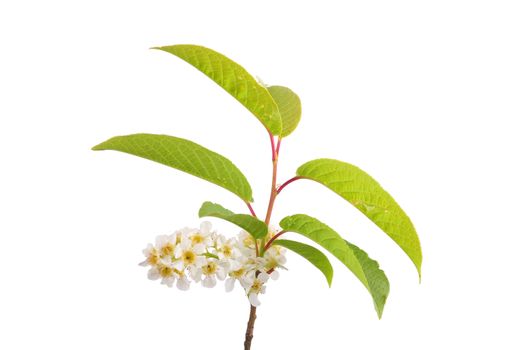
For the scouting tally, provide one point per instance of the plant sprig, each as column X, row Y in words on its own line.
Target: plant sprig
column 278, row 109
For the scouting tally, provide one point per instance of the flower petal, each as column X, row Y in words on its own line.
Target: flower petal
column 229, row 284
column 253, row 299
column 199, row 248
column 183, row 283
column 209, row 282
column 205, row 227
column 168, row 281
column 196, row 274
column 263, row 277
column 200, row 261
column 148, row 250
column 220, row 273
column 161, row 240
column 153, row 274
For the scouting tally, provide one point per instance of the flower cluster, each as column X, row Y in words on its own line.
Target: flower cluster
column 204, row 256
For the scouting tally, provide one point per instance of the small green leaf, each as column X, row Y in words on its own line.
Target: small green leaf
column 355, row 260
column 234, row 79
column 252, row 225
column 183, row 155
column 313, row 255
column 289, row 107
column 362, row 191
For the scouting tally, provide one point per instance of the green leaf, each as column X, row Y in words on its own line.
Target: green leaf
column 376, row 278
column 355, row 260
column 254, row 226
column 313, row 255
column 183, row 155
column 289, row 107
column 362, row 191
column 234, row 79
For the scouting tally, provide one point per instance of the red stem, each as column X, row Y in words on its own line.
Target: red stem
column 278, row 146
column 289, row 182
column 273, row 150
column 251, row 209
column 273, row 192
column 270, row 242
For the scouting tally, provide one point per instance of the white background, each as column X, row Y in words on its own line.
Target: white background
column 429, row 97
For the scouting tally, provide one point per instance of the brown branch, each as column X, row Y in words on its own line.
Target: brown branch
column 250, row 326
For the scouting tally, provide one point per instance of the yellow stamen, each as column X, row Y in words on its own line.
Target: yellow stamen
column 165, row 271
column 188, row 257
column 153, row 259
column 257, row 286
column 167, row 249
column 238, row 273
column 209, row 268
column 197, row 239
column 227, row 251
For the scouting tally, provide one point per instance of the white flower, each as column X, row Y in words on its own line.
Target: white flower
column 166, row 244
column 202, row 236
column 274, row 257
column 165, row 270
column 202, row 255
column 245, row 241
column 212, row 270
column 256, row 288
column 188, row 254
column 238, row 272
column 151, row 255
column 255, row 263
column 226, row 248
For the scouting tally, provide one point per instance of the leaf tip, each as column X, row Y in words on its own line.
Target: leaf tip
column 379, row 310
column 418, row 265
column 98, row 147
column 330, row 277
column 202, row 211
column 284, row 222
